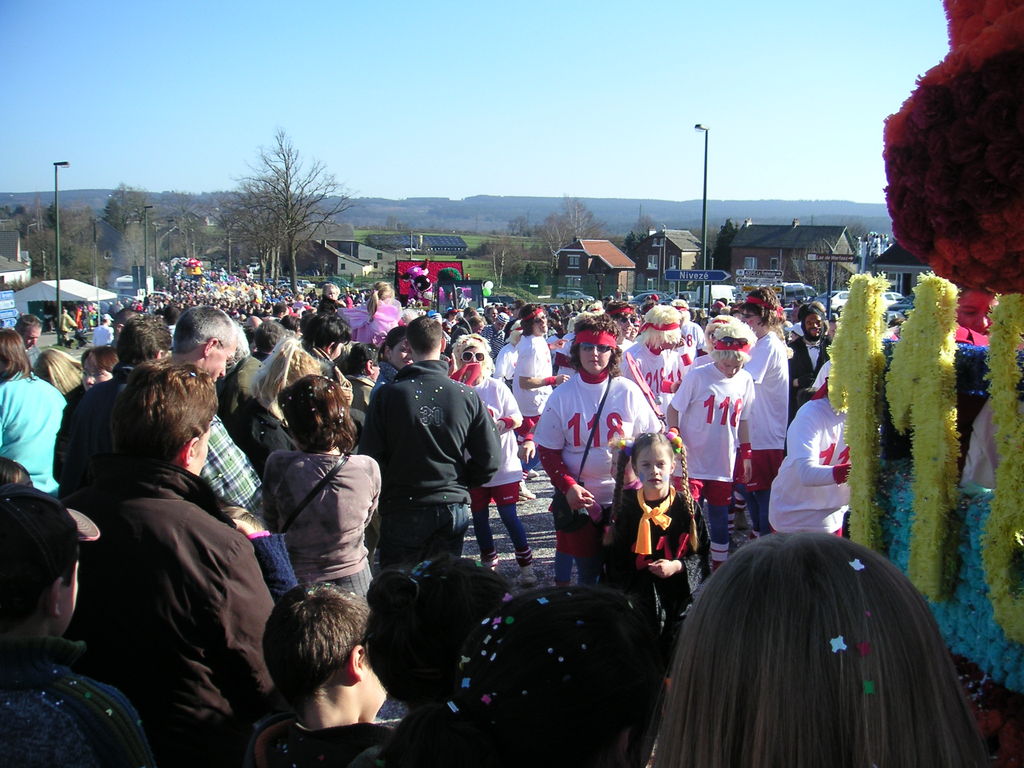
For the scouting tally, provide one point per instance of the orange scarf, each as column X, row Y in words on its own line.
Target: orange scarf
column 657, row 515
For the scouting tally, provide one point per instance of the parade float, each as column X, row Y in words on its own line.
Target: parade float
column 954, row 157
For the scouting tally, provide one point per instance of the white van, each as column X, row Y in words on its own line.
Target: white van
column 798, row 292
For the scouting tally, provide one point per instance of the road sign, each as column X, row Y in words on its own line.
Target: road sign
column 758, row 274
column 712, row 275
column 834, row 257
column 9, row 313
column 6, row 303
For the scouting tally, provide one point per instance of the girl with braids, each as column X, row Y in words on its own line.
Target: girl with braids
column 710, row 411
column 769, row 368
column 371, row 322
column 653, row 528
column 569, row 424
column 473, row 366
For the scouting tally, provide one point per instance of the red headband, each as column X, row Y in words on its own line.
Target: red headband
column 622, row 311
column 762, row 303
column 596, row 337
column 663, row 327
column 734, row 345
column 535, row 314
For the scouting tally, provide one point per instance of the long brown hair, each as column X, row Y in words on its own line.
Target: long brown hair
column 600, row 322
column 13, row 358
column 810, row 650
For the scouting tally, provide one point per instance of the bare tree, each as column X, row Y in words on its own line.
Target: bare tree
column 574, row 221
column 295, row 198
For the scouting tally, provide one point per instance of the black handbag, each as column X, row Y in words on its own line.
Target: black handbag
column 566, row 518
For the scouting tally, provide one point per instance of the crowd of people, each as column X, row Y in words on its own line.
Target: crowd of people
column 272, row 495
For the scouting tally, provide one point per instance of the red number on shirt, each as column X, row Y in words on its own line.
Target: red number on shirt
column 613, row 423
column 826, row 455
column 724, row 406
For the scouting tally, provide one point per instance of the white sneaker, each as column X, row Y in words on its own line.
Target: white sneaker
column 527, row 578
column 532, row 474
column 526, row 493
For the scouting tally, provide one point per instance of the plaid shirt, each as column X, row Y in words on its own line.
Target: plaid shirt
column 229, row 472
column 495, row 338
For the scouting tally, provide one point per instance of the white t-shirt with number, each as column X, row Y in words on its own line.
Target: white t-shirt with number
column 568, row 419
column 804, row 495
column 500, row 403
column 710, row 407
column 691, row 339
column 660, row 372
column 769, row 368
column 534, row 362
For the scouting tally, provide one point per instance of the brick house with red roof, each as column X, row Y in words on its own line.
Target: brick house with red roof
column 596, row 266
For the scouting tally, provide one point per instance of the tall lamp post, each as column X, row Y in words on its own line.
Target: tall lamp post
column 56, row 220
column 145, row 249
column 700, row 128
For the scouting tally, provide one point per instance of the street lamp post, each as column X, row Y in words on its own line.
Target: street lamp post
column 56, row 221
column 700, row 128
column 145, row 249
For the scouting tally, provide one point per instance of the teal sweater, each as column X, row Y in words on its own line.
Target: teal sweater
column 30, row 414
column 51, row 716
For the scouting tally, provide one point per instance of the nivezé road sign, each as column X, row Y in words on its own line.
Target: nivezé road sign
column 712, row 275
column 835, row 257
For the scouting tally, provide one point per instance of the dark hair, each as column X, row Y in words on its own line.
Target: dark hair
column 162, row 407
column 554, row 677
column 419, row 619
column 266, row 336
column 142, row 338
column 769, row 312
column 105, row 358
column 598, row 323
column 12, row 472
column 280, row 309
column 424, row 335
column 841, row 623
column 290, row 323
column 13, row 357
column 122, row 316
column 395, row 337
column 316, row 414
column 328, row 307
column 171, row 313
column 25, row 322
column 358, row 356
column 324, row 330
column 309, row 636
column 527, row 324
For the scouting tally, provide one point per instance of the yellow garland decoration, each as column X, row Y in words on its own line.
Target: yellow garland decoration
column 921, row 389
column 1002, row 541
column 854, row 386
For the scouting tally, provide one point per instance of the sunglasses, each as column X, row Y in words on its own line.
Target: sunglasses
column 468, row 356
column 602, row 349
column 749, row 315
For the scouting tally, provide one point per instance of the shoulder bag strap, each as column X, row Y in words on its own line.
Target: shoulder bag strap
column 316, row 489
column 597, row 420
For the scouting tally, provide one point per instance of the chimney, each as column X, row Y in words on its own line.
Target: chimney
column 748, row 222
column 796, row 222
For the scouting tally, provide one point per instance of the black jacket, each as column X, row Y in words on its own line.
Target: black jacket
column 432, row 437
column 802, row 372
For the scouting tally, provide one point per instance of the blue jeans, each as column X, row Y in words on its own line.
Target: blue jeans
column 411, row 534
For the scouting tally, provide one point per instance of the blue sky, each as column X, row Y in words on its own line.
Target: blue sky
column 452, row 98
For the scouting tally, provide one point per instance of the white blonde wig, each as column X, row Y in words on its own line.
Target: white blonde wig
column 474, row 340
column 654, row 337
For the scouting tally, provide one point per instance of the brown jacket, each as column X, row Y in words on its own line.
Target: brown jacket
column 172, row 606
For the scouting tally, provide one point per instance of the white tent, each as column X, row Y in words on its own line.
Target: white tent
column 74, row 291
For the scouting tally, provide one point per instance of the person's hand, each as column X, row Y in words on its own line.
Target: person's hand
column 579, row 497
column 527, row 451
column 746, row 471
column 665, row 568
column 561, row 379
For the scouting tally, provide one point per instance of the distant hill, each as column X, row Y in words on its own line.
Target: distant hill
column 492, row 213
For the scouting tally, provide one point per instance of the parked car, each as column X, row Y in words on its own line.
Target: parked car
column 899, row 308
column 839, row 298
column 573, row 295
column 641, row 298
column 891, row 297
column 799, row 292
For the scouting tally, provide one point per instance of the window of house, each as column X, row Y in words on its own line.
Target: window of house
column 650, row 283
column 652, row 261
column 773, row 263
column 672, row 262
column 572, row 281
column 659, row 242
column 750, row 262
column 573, row 262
